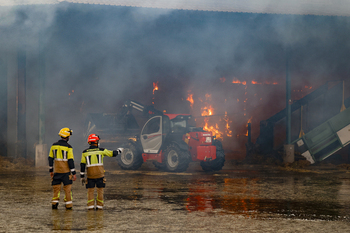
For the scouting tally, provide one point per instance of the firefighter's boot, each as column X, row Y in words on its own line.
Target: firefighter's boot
column 91, row 199
column 68, row 196
column 99, row 199
column 56, row 195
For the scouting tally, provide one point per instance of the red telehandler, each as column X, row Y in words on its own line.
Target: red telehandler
column 168, row 140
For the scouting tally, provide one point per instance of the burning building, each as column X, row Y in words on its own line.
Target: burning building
column 223, row 67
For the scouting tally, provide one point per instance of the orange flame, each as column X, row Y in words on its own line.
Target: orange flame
column 190, row 99
column 223, row 79
column 249, row 121
column 228, row 131
column 207, row 111
column 215, row 131
column 155, row 86
column 266, row 82
column 239, row 82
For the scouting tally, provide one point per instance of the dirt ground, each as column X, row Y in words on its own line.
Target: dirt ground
column 240, row 198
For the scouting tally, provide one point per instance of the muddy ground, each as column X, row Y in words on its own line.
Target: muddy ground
column 240, row 198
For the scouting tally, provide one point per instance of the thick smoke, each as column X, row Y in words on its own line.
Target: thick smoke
column 97, row 57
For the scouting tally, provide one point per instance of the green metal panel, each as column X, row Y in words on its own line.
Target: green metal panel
column 323, row 141
column 341, row 120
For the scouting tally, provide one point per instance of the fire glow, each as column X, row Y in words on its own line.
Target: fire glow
column 249, row 121
column 236, row 81
column 239, row 82
column 267, row 83
column 212, row 114
column 190, row 99
column 207, row 111
column 155, row 86
column 228, row 131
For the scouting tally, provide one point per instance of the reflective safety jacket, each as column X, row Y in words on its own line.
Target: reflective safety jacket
column 92, row 160
column 61, row 155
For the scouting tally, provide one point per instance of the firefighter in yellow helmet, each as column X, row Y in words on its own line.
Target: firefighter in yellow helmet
column 61, row 162
column 92, row 161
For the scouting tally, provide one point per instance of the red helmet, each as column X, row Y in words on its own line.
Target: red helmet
column 93, row 138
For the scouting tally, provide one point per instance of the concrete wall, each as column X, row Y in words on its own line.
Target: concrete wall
column 12, row 102
column 3, row 105
column 19, row 70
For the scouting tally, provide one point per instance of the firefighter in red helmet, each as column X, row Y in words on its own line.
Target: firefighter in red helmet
column 62, row 170
column 92, row 162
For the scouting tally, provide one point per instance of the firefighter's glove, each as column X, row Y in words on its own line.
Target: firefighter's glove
column 120, row 150
column 83, row 181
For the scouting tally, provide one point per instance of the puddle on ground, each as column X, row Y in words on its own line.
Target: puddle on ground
column 175, row 202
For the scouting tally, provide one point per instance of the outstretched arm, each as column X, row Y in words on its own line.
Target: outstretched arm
column 113, row 153
column 117, row 152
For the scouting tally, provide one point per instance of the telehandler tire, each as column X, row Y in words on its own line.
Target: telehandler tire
column 130, row 158
column 218, row 163
column 175, row 159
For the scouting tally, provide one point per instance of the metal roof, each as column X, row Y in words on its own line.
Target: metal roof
column 26, row 2
column 302, row 7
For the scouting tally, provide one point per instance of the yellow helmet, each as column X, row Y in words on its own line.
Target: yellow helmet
column 65, row 132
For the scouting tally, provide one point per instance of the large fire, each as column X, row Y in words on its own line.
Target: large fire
column 209, row 111
column 229, row 106
column 214, row 129
column 218, row 127
column 221, row 126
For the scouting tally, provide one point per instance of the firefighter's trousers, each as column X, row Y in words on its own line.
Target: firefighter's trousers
column 100, row 184
column 68, row 195
column 57, row 180
column 91, row 198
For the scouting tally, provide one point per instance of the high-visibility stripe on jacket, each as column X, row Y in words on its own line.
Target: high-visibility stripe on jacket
column 92, row 159
column 61, row 157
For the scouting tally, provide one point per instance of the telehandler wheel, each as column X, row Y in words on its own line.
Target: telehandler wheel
column 205, row 166
column 218, row 163
column 175, row 159
column 130, row 158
